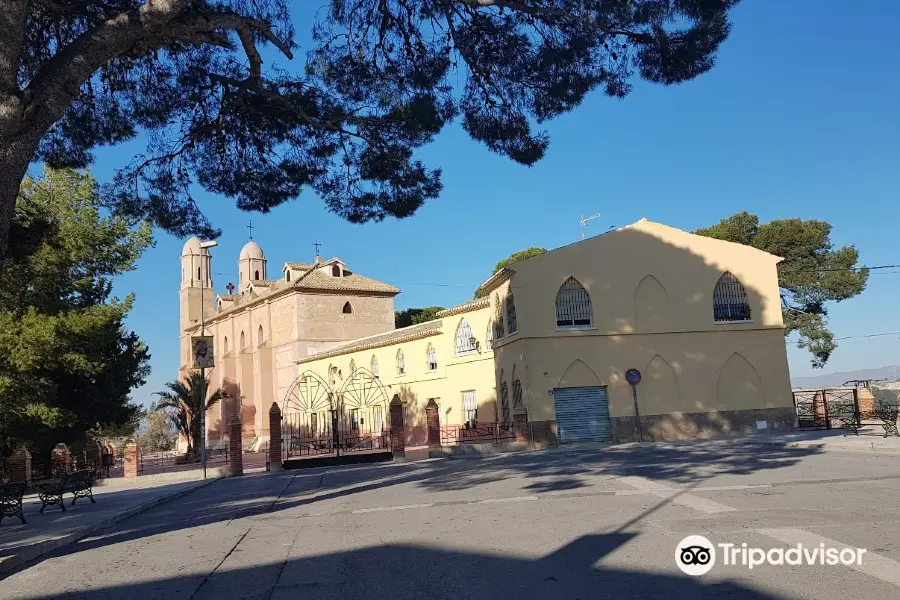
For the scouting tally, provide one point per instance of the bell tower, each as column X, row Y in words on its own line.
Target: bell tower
column 196, row 264
column 251, row 265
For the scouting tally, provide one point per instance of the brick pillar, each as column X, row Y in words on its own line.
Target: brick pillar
column 398, row 434
column 92, row 453
column 130, row 459
column 275, row 438
column 237, row 458
column 521, row 426
column 433, row 420
column 59, row 459
column 20, row 466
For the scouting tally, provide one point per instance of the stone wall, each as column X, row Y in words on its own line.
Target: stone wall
column 680, row 426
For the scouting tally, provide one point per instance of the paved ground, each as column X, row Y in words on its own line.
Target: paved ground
column 557, row 524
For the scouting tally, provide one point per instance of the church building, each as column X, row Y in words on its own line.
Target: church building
column 643, row 333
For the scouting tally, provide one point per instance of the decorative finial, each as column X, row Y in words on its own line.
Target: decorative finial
column 230, row 288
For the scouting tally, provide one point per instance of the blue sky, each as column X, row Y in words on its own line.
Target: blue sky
column 798, row 119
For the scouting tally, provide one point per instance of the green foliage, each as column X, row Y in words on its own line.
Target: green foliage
column 183, row 404
column 511, row 260
column 381, row 79
column 813, row 272
column 414, row 316
column 157, row 432
column 67, row 362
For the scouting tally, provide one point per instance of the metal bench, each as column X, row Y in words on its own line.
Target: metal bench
column 888, row 418
column 11, row 501
column 77, row 483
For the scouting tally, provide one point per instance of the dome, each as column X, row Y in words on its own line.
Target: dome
column 191, row 247
column 252, row 250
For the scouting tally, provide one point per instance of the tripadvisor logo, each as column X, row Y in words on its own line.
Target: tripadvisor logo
column 695, row 555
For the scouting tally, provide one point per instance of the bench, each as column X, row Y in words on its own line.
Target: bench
column 11, row 501
column 888, row 418
column 848, row 424
column 77, row 483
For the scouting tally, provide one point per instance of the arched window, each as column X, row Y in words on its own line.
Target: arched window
column 287, row 276
column 431, row 358
column 198, row 273
column 347, row 309
column 260, row 338
column 499, row 332
column 490, row 334
column 243, row 343
column 730, row 300
column 256, row 275
column 226, row 344
column 510, row 312
column 573, row 305
column 336, row 270
column 332, row 374
column 401, row 363
column 465, row 341
column 352, row 367
column 242, row 276
column 504, row 400
column 517, row 389
column 375, row 370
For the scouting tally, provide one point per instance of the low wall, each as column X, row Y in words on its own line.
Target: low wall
column 686, row 426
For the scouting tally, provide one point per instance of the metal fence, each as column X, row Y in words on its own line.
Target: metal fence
column 486, row 433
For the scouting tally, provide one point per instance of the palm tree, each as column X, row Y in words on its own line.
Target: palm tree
column 183, row 403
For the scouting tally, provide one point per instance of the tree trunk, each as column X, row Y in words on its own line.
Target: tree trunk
column 15, row 156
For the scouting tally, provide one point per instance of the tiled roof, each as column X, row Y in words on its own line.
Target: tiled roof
column 497, row 278
column 396, row 336
column 229, row 297
column 299, row 266
column 264, row 282
column 316, row 280
column 470, row 305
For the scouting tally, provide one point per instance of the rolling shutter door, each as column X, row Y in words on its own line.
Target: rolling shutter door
column 582, row 414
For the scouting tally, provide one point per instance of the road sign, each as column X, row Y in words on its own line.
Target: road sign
column 633, row 376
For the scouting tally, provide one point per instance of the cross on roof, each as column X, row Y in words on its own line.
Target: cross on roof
column 250, row 227
column 317, row 244
column 230, row 287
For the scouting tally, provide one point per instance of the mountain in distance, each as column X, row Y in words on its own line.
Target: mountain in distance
column 835, row 379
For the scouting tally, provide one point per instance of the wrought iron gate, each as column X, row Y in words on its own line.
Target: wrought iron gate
column 825, row 409
column 321, row 419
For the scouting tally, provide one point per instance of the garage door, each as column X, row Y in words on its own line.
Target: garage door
column 582, row 414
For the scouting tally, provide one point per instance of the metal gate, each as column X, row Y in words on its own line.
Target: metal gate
column 321, row 420
column 582, row 414
column 824, row 409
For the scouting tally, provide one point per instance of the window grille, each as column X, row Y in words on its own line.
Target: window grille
column 490, row 334
column 375, row 370
column 730, row 300
column 499, row 331
column 511, row 312
column 401, row 363
column 470, row 409
column 517, row 393
column 431, row 356
column 465, row 341
column 573, row 305
column 504, row 401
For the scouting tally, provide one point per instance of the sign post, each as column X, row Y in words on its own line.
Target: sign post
column 633, row 376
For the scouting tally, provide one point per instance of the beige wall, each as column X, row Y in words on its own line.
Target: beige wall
column 455, row 374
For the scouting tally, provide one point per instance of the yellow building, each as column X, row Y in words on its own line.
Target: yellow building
column 551, row 344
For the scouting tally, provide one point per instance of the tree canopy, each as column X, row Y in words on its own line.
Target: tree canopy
column 414, row 316
column 67, row 362
column 380, row 79
column 812, row 273
column 511, row 260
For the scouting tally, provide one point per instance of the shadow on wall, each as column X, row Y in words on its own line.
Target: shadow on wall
column 701, row 376
column 417, row 428
column 409, row 573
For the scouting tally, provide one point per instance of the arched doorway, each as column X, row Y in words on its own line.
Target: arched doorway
column 308, row 415
column 363, row 413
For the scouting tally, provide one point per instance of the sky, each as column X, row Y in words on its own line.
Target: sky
column 799, row 118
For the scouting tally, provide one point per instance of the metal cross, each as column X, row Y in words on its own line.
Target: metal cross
column 230, row 287
column 317, row 244
column 250, row 227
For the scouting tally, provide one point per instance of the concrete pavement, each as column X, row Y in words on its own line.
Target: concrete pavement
column 585, row 524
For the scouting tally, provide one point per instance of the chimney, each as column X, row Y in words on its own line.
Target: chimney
column 318, row 260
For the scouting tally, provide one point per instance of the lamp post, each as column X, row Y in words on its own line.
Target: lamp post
column 204, row 246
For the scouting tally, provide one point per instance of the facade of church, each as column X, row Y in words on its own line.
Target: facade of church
column 550, row 345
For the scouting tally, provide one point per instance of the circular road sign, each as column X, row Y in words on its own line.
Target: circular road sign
column 633, row 376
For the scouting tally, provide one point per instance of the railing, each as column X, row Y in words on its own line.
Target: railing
column 485, row 433
column 173, row 460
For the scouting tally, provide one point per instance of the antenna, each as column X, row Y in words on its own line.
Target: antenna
column 584, row 222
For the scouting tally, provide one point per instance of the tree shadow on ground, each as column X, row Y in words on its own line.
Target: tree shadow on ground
column 402, row 572
column 235, row 498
